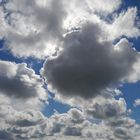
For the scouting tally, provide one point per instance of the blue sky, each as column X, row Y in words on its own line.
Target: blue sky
column 131, row 93
column 45, row 37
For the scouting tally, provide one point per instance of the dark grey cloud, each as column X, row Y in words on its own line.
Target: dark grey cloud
column 87, row 66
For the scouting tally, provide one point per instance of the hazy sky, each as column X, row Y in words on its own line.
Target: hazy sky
column 69, row 69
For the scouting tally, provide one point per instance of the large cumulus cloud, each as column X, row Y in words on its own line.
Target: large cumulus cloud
column 87, row 65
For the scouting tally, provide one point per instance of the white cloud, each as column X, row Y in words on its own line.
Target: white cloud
column 125, row 24
column 98, row 6
column 135, row 74
column 35, row 28
column 38, row 29
column 137, row 102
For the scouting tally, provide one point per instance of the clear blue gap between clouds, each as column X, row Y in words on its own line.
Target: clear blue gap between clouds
column 31, row 62
column 55, row 106
column 131, row 92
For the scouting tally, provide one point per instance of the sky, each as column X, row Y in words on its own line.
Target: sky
column 69, row 70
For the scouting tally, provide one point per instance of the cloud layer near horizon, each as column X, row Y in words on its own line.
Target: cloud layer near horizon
column 32, row 125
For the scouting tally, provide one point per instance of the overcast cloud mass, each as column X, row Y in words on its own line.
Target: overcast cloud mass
column 88, row 53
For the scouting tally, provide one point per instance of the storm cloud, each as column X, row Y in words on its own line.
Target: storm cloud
column 87, row 65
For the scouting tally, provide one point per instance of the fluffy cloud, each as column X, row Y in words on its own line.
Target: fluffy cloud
column 135, row 74
column 106, row 109
column 137, row 102
column 33, row 125
column 87, row 66
column 19, row 81
column 20, row 124
column 98, row 6
column 21, row 86
column 124, row 24
column 38, row 27
column 33, row 26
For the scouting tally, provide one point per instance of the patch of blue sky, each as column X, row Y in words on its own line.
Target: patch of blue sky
column 131, row 92
column 55, row 106
column 33, row 63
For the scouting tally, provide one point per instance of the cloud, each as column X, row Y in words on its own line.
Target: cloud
column 100, row 131
column 19, row 81
column 86, row 66
column 98, row 6
column 135, row 74
column 106, row 109
column 21, row 124
column 137, row 102
column 129, row 21
column 124, row 128
column 32, row 125
column 76, row 115
column 38, row 27
column 34, row 26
